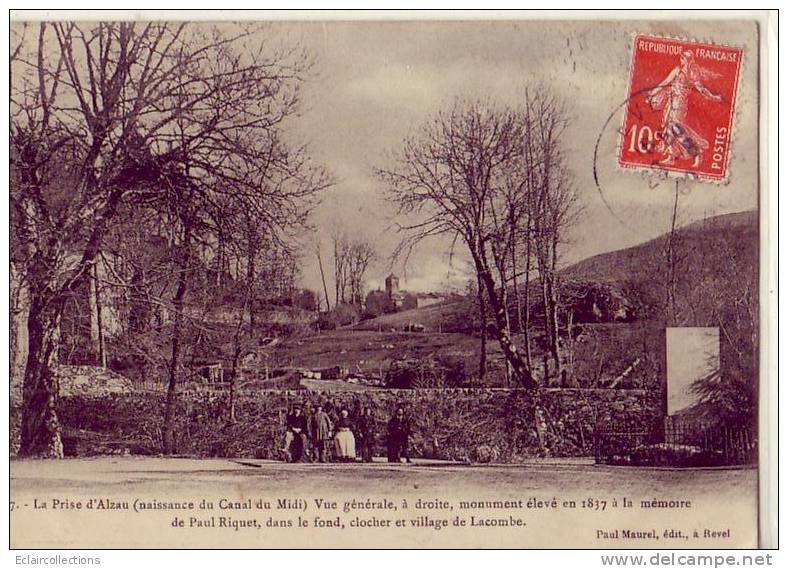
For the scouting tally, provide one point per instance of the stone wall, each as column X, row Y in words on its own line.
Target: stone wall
column 475, row 425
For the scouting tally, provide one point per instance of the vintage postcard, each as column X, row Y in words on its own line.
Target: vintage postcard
column 388, row 280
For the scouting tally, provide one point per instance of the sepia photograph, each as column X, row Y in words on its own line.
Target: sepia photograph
column 295, row 280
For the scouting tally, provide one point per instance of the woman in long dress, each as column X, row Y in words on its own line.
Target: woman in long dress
column 344, row 441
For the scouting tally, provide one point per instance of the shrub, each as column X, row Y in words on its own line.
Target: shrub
column 343, row 314
column 425, row 373
column 376, row 304
column 485, row 454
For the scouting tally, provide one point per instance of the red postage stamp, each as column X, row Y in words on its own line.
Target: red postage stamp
column 680, row 107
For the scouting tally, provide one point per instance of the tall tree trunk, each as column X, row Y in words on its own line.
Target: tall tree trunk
column 237, row 356
column 96, row 320
column 233, row 377
column 570, row 349
column 95, row 345
column 175, row 356
column 323, row 278
column 518, row 307
column 40, row 433
column 336, row 288
column 220, row 261
column 251, row 267
column 101, row 330
column 504, row 299
column 548, row 329
column 526, row 321
column 505, row 302
column 521, row 372
column 553, row 321
column 549, row 266
column 20, row 308
column 337, row 273
column 482, row 329
column 140, row 312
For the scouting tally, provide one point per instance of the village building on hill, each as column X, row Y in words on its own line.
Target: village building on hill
column 404, row 300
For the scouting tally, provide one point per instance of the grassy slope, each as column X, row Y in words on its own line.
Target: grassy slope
column 448, row 316
column 367, row 351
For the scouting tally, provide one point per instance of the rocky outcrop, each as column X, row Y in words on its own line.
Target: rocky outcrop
column 595, row 302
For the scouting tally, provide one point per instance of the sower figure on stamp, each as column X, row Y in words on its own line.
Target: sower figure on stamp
column 321, row 430
column 672, row 95
column 365, row 427
column 295, row 432
column 398, row 435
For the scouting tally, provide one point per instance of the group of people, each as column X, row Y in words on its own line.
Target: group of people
column 317, row 437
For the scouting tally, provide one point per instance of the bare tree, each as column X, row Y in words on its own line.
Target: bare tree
column 97, row 334
column 361, row 254
column 476, row 292
column 551, row 201
column 341, row 248
column 106, row 113
column 352, row 258
column 322, row 276
column 495, row 178
column 450, row 176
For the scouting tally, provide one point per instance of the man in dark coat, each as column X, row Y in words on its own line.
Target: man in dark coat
column 295, row 427
column 365, row 427
column 398, row 435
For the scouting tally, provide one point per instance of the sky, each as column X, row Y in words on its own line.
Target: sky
column 375, row 82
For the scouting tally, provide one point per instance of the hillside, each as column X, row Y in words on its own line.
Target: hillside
column 638, row 263
column 712, row 250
